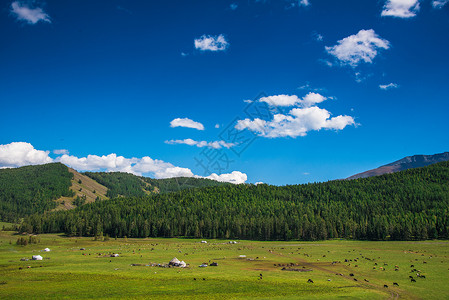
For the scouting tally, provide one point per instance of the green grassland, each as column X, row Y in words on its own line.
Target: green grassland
column 68, row 272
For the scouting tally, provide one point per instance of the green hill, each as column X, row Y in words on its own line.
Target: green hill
column 37, row 189
column 32, row 189
column 128, row 185
column 412, row 204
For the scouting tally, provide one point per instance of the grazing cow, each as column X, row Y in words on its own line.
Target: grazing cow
column 351, row 274
column 411, row 277
column 423, row 276
column 413, row 280
column 366, row 280
column 412, row 266
column 355, row 279
column 310, row 281
column 395, row 283
column 204, row 278
column 194, row 278
column 385, row 286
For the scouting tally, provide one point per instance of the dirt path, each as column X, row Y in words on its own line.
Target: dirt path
column 393, row 293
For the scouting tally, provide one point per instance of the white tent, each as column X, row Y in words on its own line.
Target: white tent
column 204, row 242
column 37, row 257
column 47, row 249
column 174, row 262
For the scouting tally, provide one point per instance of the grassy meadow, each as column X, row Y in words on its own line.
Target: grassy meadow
column 68, row 272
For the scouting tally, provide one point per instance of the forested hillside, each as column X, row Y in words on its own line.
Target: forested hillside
column 412, row 204
column 32, row 189
column 129, row 185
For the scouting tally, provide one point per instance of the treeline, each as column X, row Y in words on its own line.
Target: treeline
column 128, row 185
column 32, row 189
column 412, row 204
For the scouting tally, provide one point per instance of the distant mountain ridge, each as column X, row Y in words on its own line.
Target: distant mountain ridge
column 409, row 162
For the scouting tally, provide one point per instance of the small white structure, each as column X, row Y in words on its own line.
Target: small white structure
column 232, row 242
column 242, row 256
column 47, row 249
column 182, row 264
column 204, row 242
column 203, row 265
column 115, row 255
column 37, row 257
column 174, row 262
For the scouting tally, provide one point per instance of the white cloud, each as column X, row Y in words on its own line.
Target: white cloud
column 19, row 154
column 235, row 177
column 60, row 151
column 298, row 121
column 439, row 3
column 211, row 43
column 287, row 100
column 280, row 100
column 304, row 3
column 217, row 125
column 31, row 15
column 186, row 122
column 388, row 86
column 233, row 6
column 312, row 99
column 400, row 8
column 184, row 54
column 358, row 48
column 201, row 144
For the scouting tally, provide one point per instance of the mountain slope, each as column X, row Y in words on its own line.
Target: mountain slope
column 37, row 189
column 408, row 162
column 128, row 185
column 85, row 190
column 411, row 204
column 32, row 189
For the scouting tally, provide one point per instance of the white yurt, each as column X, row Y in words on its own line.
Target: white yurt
column 47, row 249
column 174, row 262
column 37, row 257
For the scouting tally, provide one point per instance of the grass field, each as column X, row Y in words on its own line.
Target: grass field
column 68, row 272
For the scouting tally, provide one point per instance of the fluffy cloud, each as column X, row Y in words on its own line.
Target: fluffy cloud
column 201, row 144
column 31, row 15
column 280, row 100
column 211, row 43
column 388, row 86
column 298, row 121
column 186, row 122
column 235, row 177
column 233, row 6
column 439, row 3
column 304, row 2
column 358, row 48
column 287, row 100
column 400, row 8
column 20, row 154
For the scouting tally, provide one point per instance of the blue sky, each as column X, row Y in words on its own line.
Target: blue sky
column 155, row 87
